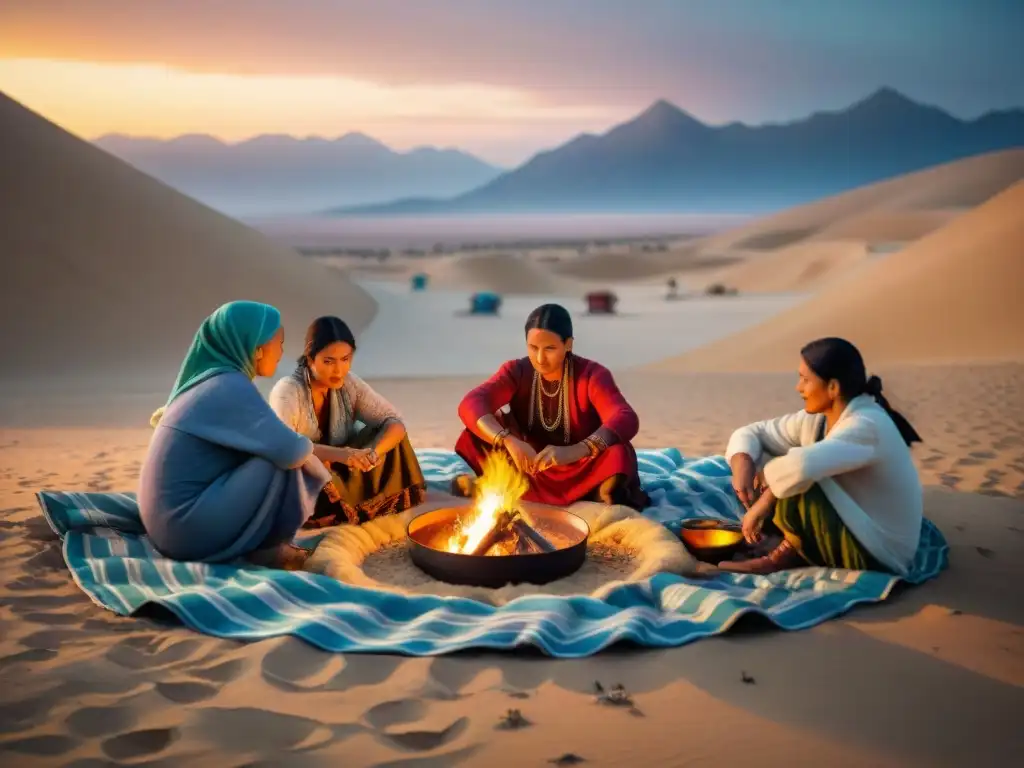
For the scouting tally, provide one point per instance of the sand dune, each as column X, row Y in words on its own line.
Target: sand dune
column 888, row 211
column 954, row 295
column 504, row 273
column 899, row 209
column 800, row 248
column 879, row 226
column 107, row 272
column 795, row 268
column 618, row 266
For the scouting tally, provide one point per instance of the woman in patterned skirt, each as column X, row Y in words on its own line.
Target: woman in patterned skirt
column 363, row 439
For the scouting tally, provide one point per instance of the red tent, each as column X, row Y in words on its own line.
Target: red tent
column 601, row 303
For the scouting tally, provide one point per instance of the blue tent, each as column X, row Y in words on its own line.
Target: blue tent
column 484, row 304
column 419, row 282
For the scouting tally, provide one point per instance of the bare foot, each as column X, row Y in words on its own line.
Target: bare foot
column 782, row 558
column 285, row 557
column 462, row 486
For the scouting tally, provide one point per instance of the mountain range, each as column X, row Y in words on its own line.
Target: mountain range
column 280, row 174
column 667, row 160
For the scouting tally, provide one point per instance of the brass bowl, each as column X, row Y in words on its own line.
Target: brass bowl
column 711, row 541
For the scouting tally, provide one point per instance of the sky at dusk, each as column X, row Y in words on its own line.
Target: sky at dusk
column 498, row 78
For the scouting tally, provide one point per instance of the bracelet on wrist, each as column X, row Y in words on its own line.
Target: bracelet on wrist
column 499, row 439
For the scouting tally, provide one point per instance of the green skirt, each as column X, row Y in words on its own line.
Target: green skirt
column 813, row 527
column 394, row 485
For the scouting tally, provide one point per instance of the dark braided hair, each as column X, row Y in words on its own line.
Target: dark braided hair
column 323, row 332
column 833, row 358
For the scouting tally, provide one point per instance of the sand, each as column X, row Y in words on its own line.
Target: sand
column 507, row 274
column 805, row 266
column 111, row 273
column 953, row 295
column 914, row 197
column 108, row 273
column 894, row 684
column 803, row 248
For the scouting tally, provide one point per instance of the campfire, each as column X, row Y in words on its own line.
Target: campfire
column 499, row 538
column 495, row 525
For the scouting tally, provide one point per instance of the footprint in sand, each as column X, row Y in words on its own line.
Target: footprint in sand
column 251, row 730
column 424, row 741
column 293, row 665
column 33, row 584
column 50, row 745
column 385, row 718
column 950, row 481
column 90, row 722
column 186, row 692
column 391, row 713
column 367, row 671
column 50, row 559
column 52, row 639
column 32, row 656
column 135, row 744
column 151, row 651
column 26, row 603
column 22, row 715
column 225, row 672
column 452, row 675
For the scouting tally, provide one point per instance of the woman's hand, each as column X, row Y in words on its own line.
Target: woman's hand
column 754, row 520
column 522, row 454
column 560, row 455
column 332, row 492
column 744, row 473
column 362, row 459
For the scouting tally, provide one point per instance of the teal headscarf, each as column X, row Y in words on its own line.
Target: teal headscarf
column 225, row 342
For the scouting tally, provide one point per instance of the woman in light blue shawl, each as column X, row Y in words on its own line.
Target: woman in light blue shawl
column 224, row 477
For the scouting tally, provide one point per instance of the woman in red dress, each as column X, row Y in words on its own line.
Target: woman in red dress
column 568, row 427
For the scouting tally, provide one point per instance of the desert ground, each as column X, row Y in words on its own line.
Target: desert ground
column 108, row 282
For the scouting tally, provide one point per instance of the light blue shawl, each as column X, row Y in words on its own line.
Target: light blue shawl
column 226, row 342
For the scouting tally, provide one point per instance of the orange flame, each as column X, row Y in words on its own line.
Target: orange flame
column 499, row 488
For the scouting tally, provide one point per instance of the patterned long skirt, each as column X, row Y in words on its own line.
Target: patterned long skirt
column 394, row 485
column 813, row 527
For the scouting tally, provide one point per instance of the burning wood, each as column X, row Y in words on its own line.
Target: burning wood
column 522, row 537
column 537, row 540
column 495, row 525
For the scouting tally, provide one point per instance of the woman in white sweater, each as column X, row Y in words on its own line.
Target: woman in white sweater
column 357, row 432
column 837, row 478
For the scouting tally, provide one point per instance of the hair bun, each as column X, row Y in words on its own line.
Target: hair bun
column 873, row 386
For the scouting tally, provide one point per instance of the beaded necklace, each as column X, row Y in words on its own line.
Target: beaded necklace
column 537, row 393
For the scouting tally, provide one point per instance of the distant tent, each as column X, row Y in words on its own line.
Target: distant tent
column 601, row 303
column 484, row 304
column 419, row 282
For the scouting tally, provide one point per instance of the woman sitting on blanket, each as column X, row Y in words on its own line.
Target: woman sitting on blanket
column 568, row 427
column 373, row 467
column 842, row 487
column 224, row 477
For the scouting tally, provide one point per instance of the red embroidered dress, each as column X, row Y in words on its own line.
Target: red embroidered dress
column 564, row 413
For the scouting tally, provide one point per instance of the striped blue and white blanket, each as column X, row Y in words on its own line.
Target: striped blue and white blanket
column 113, row 562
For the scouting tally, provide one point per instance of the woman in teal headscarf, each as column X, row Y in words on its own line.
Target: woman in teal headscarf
column 224, row 477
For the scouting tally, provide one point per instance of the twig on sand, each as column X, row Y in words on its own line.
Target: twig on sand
column 512, row 720
column 616, row 697
column 569, row 758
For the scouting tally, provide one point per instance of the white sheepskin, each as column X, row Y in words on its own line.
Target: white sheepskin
column 343, row 550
